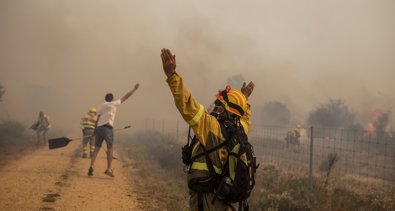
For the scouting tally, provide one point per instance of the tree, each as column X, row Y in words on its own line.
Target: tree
column 333, row 114
column 275, row 114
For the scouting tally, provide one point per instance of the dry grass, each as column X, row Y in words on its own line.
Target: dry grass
column 278, row 190
column 12, row 149
column 161, row 183
column 15, row 142
column 158, row 183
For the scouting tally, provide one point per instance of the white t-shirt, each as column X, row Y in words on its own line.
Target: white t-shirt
column 107, row 112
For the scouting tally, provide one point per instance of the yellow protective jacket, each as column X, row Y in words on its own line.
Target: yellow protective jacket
column 88, row 121
column 44, row 122
column 205, row 127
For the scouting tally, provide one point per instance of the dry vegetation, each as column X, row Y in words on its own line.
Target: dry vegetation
column 160, row 182
column 157, row 175
column 279, row 190
column 157, row 160
column 14, row 141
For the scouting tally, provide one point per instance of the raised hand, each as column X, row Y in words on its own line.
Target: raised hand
column 136, row 86
column 168, row 62
column 247, row 89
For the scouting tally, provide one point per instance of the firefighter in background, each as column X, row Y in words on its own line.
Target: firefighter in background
column 41, row 126
column 292, row 138
column 88, row 127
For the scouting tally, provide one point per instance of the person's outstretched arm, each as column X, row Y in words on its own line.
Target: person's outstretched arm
column 130, row 93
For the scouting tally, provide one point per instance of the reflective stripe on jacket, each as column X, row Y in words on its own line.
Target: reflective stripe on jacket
column 88, row 121
column 205, row 127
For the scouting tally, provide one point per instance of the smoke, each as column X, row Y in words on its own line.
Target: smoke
column 62, row 57
column 379, row 122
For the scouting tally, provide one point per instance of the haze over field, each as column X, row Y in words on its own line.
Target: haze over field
column 62, row 57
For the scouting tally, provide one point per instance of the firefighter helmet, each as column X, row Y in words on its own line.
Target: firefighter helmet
column 233, row 100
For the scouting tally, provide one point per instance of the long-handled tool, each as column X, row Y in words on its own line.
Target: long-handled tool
column 64, row 141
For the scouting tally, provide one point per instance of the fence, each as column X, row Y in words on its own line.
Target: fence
column 348, row 157
column 176, row 130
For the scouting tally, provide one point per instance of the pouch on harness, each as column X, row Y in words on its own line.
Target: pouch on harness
column 237, row 179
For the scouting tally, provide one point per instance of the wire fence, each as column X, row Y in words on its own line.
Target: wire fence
column 351, row 158
column 347, row 157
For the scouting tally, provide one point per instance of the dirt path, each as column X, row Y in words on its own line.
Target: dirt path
column 57, row 180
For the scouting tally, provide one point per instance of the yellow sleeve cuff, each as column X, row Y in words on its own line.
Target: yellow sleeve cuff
column 197, row 117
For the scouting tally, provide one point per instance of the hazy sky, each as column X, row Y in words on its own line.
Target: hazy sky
column 63, row 56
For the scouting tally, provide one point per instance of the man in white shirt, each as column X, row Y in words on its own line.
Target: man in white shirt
column 104, row 128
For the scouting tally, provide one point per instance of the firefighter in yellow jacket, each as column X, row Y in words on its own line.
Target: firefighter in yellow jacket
column 88, row 127
column 41, row 126
column 230, row 106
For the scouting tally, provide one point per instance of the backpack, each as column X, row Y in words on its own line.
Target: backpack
column 237, row 179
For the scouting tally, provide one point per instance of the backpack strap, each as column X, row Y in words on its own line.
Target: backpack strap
column 226, row 135
column 230, row 206
column 187, row 151
column 189, row 135
column 244, row 205
column 205, row 151
column 224, row 130
column 209, row 163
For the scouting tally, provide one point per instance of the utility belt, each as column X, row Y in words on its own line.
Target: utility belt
column 107, row 126
column 202, row 184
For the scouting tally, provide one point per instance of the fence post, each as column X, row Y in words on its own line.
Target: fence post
column 311, row 159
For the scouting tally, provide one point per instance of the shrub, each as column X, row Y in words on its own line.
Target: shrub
column 333, row 114
column 274, row 114
column 11, row 129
